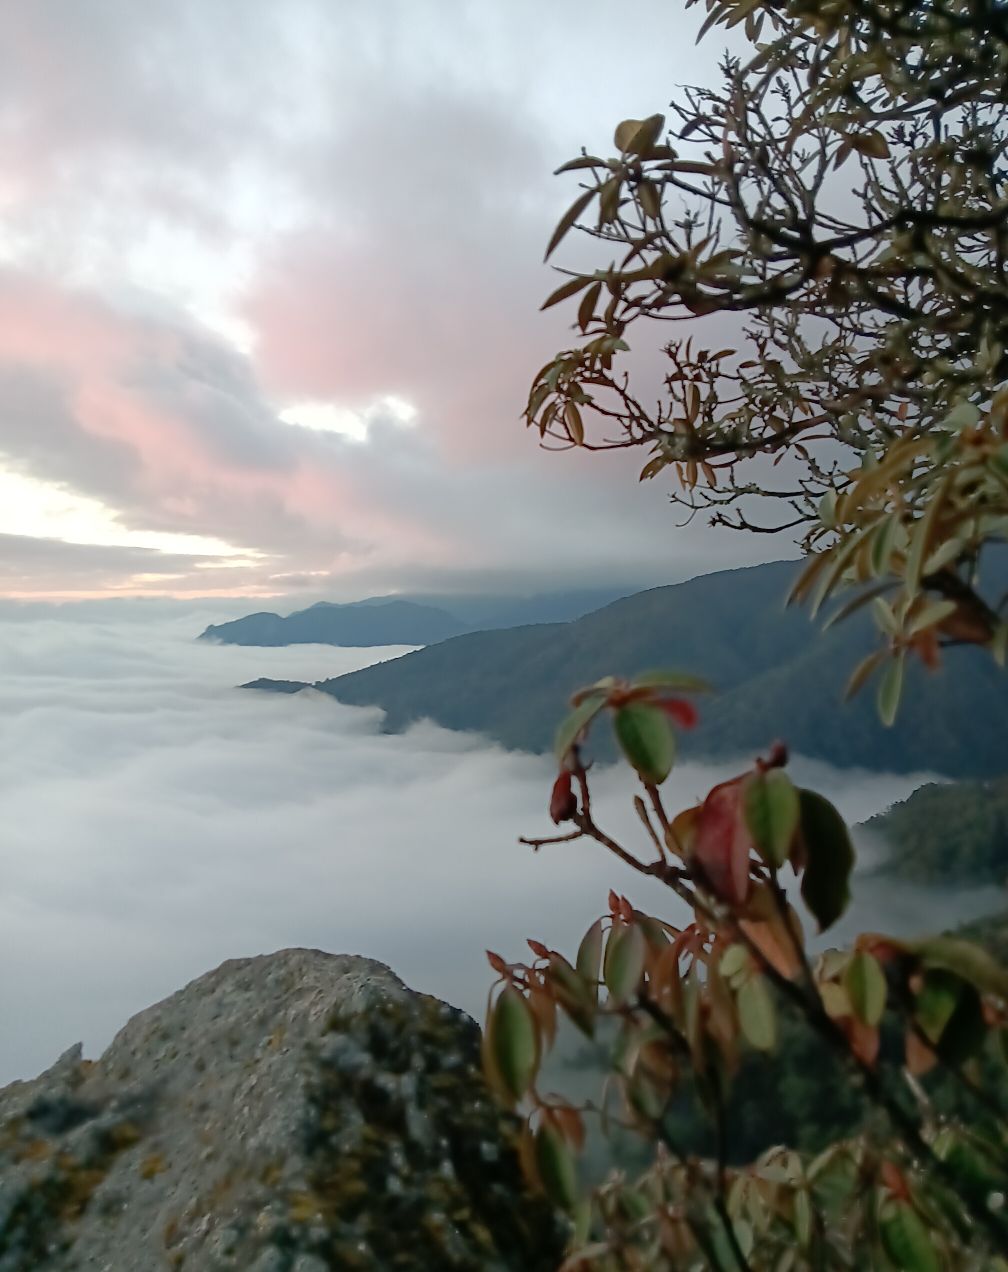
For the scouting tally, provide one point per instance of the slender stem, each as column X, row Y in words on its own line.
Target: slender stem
column 657, row 805
column 718, row 1200
column 536, row 844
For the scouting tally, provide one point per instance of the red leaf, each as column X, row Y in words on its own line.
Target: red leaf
column 497, row 963
column 920, row 1059
column 722, row 844
column 614, row 902
column 538, row 949
column 863, row 1039
column 892, row 1178
column 682, row 712
column 563, row 801
column 568, row 1122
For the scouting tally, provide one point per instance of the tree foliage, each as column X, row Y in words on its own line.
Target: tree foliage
column 898, row 1024
column 836, row 209
column 950, row 834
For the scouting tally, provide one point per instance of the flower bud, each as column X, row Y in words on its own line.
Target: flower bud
column 563, row 801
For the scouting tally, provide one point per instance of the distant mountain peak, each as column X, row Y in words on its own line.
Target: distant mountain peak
column 326, row 623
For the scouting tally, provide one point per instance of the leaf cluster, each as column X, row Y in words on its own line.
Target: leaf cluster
column 836, row 207
column 689, row 1002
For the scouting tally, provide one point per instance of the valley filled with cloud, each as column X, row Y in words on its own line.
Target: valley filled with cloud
column 157, row 821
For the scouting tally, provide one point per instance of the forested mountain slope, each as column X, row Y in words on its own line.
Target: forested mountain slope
column 775, row 675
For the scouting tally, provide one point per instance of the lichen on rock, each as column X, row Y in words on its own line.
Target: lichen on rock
column 294, row 1112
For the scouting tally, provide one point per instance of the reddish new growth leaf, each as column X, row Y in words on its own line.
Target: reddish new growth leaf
column 614, row 902
column 925, row 645
column 863, row 1039
column 497, row 963
column 563, row 801
column 682, row 712
column 538, row 949
column 893, row 1179
column 722, row 844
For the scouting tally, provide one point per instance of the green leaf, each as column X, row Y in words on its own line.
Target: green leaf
column 637, row 136
column 570, row 288
column 838, row 559
column 556, row 1167
column 736, row 964
column 626, row 950
column 770, row 808
column 589, row 957
column 586, row 309
column 905, row 1238
column 883, row 541
column 572, row 994
column 936, row 1002
column 950, row 1015
column 947, row 552
column 884, row 616
column 865, row 983
column 966, row 960
column 825, row 885
column 514, row 1042
column 603, row 685
column 757, row 1018
column 568, row 219
column 871, row 143
column 930, row 616
column 803, row 1217
column 969, row 1160
column 670, row 680
column 827, row 509
column 921, row 534
column 577, row 721
column 646, row 739
column 580, row 163
column 863, row 671
column 889, row 690
column 965, row 415
column 645, row 1095
column 857, row 602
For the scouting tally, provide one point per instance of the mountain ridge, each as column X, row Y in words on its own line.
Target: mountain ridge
column 776, row 676
column 405, row 620
column 392, row 622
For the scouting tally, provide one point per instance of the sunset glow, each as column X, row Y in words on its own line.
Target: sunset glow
column 266, row 325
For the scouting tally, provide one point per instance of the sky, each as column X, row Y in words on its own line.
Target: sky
column 269, row 289
column 158, row 821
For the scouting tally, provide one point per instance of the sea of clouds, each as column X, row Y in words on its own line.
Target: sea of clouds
column 156, row 820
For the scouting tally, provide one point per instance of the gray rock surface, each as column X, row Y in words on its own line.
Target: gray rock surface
column 296, row 1112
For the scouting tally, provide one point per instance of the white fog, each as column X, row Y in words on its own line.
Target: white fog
column 156, row 820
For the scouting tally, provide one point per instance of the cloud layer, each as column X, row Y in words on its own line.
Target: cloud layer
column 158, row 821
column 206, row 225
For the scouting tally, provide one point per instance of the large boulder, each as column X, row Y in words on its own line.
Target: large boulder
column 291, row 1113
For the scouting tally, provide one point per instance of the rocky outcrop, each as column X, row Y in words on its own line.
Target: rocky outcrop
column 296, row 1112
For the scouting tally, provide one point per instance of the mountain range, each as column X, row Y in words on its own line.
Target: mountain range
column 421, row 619
column 774, row 674
column 389, row 623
